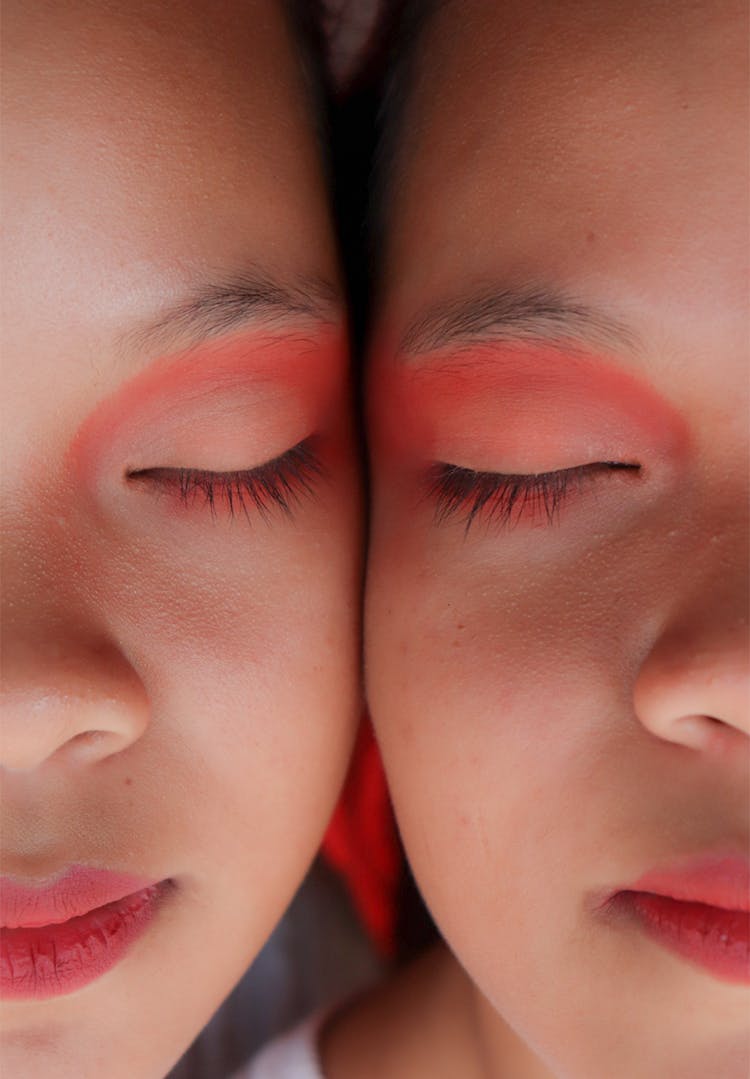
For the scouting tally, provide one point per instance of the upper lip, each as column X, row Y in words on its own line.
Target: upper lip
column 77, row 890
column 716, row 880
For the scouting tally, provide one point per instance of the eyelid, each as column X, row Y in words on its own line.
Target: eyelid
column 239, row 399
column 503, row 498
column 279, row 483
column 496, row 404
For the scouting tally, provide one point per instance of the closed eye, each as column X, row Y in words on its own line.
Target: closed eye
column 278, row 484
column 504, row 499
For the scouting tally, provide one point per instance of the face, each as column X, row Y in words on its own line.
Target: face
column 180, row 529
column 556, row 618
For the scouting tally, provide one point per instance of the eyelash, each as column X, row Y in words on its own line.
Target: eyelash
column 502, row 499
column 277, row 484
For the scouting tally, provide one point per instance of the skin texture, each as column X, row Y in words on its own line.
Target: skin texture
column 563, row 705
column 180, row 687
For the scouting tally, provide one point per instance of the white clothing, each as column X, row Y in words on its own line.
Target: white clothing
column 317, row 956
column 293, row 1056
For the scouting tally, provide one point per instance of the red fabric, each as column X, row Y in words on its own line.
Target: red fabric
column 361, row 842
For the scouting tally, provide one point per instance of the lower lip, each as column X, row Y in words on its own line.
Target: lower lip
column 711, row 937
column 51, row 960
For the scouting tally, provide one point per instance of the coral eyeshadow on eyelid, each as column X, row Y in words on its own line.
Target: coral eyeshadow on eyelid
column 526, row 407
column 310, row 370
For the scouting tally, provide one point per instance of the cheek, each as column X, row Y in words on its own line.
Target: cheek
column 500, row 674
column 247, row 645
column 232, row 592
column 460, row 678
column 499, row 652
column 494, row 692
column 490, row 743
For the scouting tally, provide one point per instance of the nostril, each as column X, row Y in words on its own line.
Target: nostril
column 88, row 744
column 79, row 721
column 724, row 739
column 708, row 734
column 696, row 696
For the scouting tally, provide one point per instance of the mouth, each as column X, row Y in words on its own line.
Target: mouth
column 58, row 937
column 699, row 911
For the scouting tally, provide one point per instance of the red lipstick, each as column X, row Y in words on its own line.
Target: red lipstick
column 700, row 910
column 57, row 936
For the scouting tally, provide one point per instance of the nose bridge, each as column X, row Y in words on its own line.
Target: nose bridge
column 709, row 613
column 716, row 606
column 43, row 571
column 702, row 649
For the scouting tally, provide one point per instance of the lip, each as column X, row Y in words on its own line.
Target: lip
column 58, row 935
column 716, row 880
column 699, row 910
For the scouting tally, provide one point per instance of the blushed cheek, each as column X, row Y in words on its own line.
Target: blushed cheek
column 253, row 681
column 579, row 592
column 485, row 675
column 499, row 684
column 236, row 617
column 489, row 734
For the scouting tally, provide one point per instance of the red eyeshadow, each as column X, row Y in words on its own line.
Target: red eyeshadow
column 310, row 369
column 530, row 407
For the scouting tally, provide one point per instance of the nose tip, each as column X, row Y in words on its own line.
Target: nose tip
column 699, row 698
column 69, row 729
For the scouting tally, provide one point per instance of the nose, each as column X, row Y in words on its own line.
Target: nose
column 693, row 687
column 73, row 705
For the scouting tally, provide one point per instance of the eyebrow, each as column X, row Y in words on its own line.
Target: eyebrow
column 217, row 307
column 506, row 314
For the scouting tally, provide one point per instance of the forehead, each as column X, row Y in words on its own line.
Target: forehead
column 148, row 146
column 597, row 148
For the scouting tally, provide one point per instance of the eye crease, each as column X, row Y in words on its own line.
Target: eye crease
column 502, row 499
column 278, row 484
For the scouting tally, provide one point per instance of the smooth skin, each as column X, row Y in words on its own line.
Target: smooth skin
column 562, row 701
column 180, row 686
